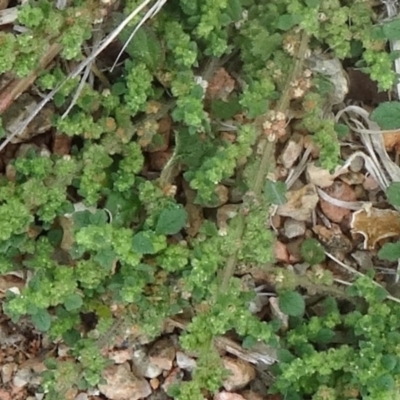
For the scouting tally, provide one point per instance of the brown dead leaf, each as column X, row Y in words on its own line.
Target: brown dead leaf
column 220, row 86
column 67, row 224
column 159, row 159
column 195, row 212
column 375, row 224
column 8, row 281
column 333, row 239
column 353, row 178
column 160, row 142
column 392, row 141
column 294, row 249
column 195, row 217
column 61, row 144
column 252, row 395
column 300, row 203
column 224, row 214
column 342, row 191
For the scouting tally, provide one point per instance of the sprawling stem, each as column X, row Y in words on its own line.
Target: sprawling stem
column 267, row 161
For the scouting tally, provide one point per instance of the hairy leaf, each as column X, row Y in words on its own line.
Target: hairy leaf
column 145, row 47
column 387, row 115
column 73, row 302
column 312, row 251
column 292, row 303
column 393, row 194
column 391, row 29
column 41, row 320
column 142, row 244
column 275, row 192
column 390, row 252
column 171, row 221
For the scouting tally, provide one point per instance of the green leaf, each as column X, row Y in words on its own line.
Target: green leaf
column 118, row 89
column 342, row 130
column 287, row 21
column 99, row 218
column 105, row 258
column 391, row 29
column 379, row 294
column 71, row 337
column 55, row 236
column 275, row 192
column 171, row 221
column 285, row 356
column 50, row 363
column 387, row 115
column 292, row 303
column 249, row 342
column 145, row 47
column 312, row 3
column 325, row 335
column 390, row 252
column 312, row 251
column 393, row 194
column 81, row 219
column 142, row 244
column 225, row 109
column 234, row 9
column 73, row 302
column 123, row 208
column 385, row 383
column 42, row 320
column 389, row 361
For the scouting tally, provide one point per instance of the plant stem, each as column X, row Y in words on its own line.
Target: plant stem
column 267, row 161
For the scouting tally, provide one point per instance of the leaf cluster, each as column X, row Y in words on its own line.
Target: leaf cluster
column 98, row 237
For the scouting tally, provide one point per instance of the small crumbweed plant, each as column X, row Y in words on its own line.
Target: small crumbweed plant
column 98, row 236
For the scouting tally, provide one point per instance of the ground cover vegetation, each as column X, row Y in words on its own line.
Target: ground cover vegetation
column 123, row 227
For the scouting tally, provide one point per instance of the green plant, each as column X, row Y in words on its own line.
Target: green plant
column 97, row 235
column 345, row 355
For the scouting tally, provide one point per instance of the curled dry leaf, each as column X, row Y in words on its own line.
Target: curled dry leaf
column 9, row 281
column 375, row 224
column 300, row 203
column 319, row 176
